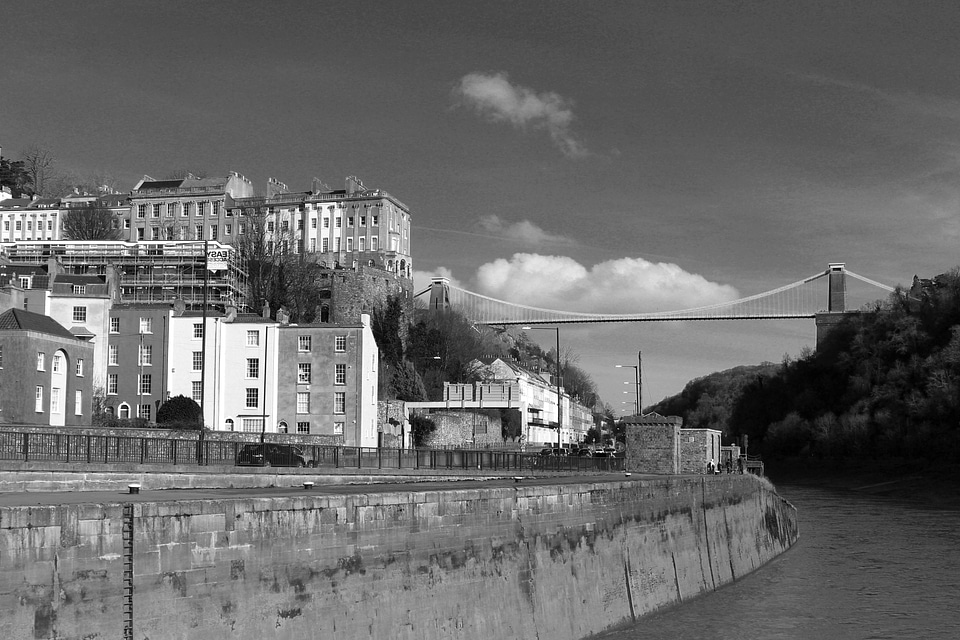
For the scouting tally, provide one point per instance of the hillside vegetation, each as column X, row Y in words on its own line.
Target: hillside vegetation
column 885, row 384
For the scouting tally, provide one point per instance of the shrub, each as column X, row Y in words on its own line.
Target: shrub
column 179, row 412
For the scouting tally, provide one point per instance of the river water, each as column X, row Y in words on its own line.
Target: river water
column 866, row 567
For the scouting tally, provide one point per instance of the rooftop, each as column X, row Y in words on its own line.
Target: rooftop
column 22, row 320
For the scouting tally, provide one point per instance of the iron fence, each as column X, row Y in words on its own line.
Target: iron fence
column 102, row 449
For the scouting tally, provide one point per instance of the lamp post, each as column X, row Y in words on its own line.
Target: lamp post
column 559, row 393
column 636, row 368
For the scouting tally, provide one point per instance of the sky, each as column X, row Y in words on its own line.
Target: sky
column 656, row 155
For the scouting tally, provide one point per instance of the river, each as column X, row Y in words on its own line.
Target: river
column 866, row 567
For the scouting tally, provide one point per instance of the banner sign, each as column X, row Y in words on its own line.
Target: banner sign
column 218, row 259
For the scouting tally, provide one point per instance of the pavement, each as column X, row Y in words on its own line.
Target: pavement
column 55, row 498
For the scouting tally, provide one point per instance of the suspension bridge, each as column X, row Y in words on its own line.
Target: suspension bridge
column 822, row 296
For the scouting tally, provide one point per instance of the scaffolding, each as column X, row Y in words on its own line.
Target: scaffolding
column 146, row 271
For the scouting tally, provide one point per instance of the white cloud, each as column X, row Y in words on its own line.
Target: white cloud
column 493, row 96
column 626, row 285
column 523, row 231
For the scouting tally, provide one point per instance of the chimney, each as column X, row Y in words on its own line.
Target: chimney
column 354, row 184
column 266, row 310
column 231, row 313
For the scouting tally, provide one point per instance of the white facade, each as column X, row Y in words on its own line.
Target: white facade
column 25, row 220
column 539, row 408
column 368, row 366
column 96, row 321
column 240, row 381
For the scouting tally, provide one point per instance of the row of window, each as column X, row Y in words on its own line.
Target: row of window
column 18, row 225
column 255, row 425
column 146, row 326
column 213, row 233
column 304, row 343
column 186, row 209
column 304, row 369
column 57, row 362
column 55, row 399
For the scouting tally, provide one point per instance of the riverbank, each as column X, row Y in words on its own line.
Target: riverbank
column 561, row 559
column 931, row 485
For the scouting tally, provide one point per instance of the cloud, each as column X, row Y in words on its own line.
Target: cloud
column 493, row 96
column 911, row 102
column 422, row 279
column 626, row 285
column 523, row 231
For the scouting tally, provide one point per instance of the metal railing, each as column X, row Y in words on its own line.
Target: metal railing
column 101, row 449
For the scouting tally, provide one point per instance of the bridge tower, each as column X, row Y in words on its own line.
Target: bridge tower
column 837, row 288
column 836, row 300
column 439, row 294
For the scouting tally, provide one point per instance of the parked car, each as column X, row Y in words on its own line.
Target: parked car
column 546, row 452
column 607, row 452
column 271, row 455
column 585, row 453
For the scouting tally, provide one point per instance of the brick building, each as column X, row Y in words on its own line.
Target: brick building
column 697, row 448
column 653, row 443
column 136, row 377
column 328, row 384
column 44, row 372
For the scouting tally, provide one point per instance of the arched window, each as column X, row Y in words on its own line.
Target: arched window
column 324, row 313
column 110, row 412
column 228, row 424
column 124, row 411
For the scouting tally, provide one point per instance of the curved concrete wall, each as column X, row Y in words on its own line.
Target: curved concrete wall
column 559, row 562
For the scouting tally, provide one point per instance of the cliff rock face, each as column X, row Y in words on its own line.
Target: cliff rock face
column 525, row 561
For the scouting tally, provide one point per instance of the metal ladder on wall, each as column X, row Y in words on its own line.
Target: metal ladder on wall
column 127, row 536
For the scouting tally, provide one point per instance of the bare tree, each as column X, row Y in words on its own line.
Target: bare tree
column 40, row 165
column 264, row 247
column 303, row 292
column 91, row 222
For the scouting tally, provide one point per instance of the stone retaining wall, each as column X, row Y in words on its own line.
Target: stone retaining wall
column 559, row 562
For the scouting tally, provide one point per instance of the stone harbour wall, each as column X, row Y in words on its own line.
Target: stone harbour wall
column 525, row 561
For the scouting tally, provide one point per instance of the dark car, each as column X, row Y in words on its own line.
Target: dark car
column 546, row 452
column 585, row 453
column 271, row 455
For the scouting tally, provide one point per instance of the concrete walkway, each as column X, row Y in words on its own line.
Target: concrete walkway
column 53, row 498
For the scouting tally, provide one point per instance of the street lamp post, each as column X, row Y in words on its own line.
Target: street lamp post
column 636, row 368
column 559, row 393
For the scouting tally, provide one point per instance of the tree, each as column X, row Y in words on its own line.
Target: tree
column 40, row 165
column 179, row 412
column 422, row 427
column 13, row 174
column 302, row 290
column 92, row 222
column 264, row 247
